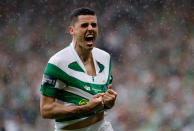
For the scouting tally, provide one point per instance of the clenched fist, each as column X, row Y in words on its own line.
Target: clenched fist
column 109, row 97
column 96, row 102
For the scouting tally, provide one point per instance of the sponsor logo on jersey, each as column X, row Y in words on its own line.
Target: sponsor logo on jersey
column 87, row 88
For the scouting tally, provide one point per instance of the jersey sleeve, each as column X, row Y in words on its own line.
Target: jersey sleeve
column 51, row 83
column 54, row 84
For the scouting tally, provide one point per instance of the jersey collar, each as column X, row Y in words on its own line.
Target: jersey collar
column 72, row 45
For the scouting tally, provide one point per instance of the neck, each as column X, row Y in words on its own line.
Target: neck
column 84, row 54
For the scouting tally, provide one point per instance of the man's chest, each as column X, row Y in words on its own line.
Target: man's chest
column 90, row 69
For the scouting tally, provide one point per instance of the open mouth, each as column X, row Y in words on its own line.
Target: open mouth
column 90, row 40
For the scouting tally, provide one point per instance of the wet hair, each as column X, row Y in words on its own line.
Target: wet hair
column 80, row 11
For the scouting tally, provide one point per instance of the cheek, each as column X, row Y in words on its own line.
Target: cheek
column 80, row 37
column 80, row 32
column 96, row 32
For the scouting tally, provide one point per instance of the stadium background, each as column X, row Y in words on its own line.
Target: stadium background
column 152, row 48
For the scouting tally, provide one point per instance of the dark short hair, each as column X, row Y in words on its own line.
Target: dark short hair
column 80, row 11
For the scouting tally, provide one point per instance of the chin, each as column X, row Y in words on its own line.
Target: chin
column 90, row 48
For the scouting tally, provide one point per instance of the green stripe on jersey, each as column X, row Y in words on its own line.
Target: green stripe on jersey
column 56, row 72
column 62, row 95
column 75, row 66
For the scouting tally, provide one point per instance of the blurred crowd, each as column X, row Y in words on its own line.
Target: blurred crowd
column 152, row 48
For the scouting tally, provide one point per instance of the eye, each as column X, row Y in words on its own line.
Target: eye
column 84, row 25
column 94, row 25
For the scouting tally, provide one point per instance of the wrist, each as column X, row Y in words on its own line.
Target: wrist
column 84, row 109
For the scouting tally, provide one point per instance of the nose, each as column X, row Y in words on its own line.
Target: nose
column 90, row 27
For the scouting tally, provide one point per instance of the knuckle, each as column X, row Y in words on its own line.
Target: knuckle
column 113, row 97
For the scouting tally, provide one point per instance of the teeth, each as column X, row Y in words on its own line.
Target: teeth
column 90, row 36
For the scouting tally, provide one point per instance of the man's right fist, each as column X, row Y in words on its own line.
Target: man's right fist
column 96, row 102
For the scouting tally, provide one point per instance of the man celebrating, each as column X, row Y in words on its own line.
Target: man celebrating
column 76, row 87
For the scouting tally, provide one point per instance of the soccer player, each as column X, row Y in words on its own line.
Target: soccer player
column 76, row 87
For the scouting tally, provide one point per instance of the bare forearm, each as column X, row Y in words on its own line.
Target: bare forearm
column 58, row 111
column 52, row 110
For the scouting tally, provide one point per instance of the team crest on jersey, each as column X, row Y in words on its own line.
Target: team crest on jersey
column 83, row 102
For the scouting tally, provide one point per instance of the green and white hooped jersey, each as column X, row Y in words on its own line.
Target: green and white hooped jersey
column 66, row 79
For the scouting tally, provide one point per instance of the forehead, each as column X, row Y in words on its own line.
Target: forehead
column 86, row 18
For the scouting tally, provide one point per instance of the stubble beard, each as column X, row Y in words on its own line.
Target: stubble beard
column 82, row 44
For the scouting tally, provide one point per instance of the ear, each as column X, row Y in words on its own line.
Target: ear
column 71, row 30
